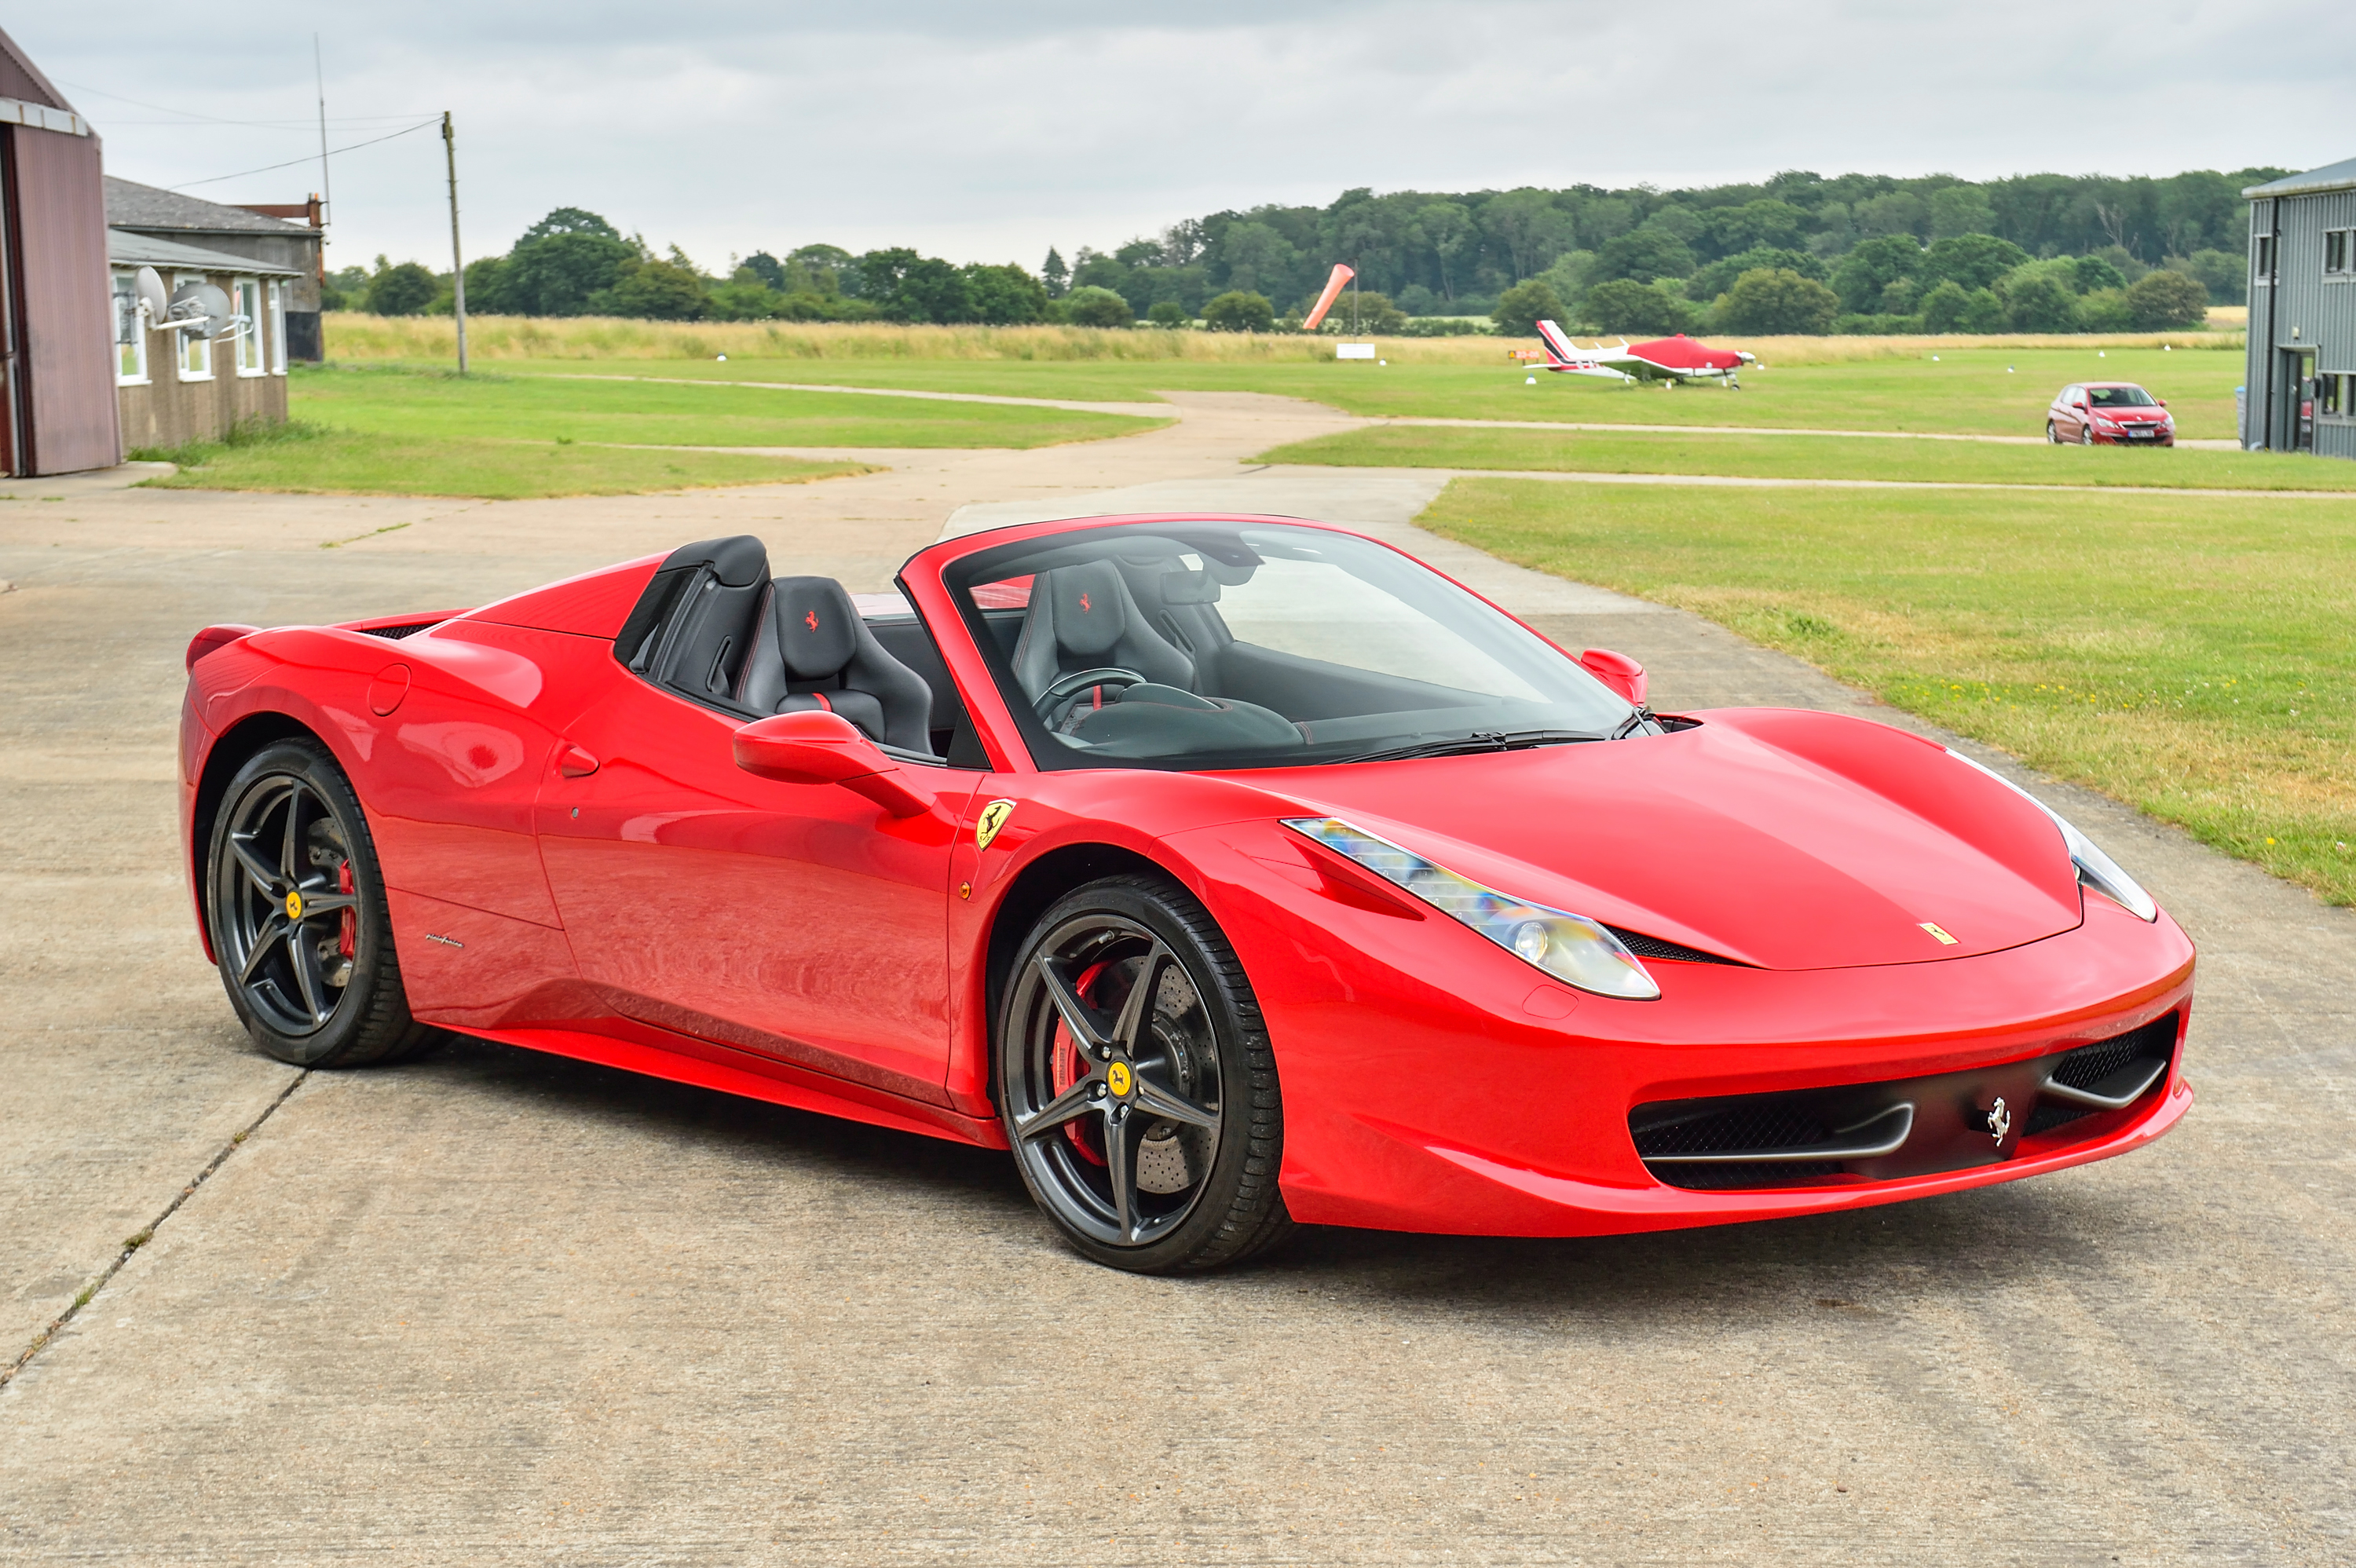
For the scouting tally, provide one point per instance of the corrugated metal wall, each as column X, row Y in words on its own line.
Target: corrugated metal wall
column 61, row 298
column 2303, row 311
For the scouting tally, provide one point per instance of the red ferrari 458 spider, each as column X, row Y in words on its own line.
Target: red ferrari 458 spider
column 1232, row 872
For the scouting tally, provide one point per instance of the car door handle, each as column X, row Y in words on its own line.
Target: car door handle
column 575, row 763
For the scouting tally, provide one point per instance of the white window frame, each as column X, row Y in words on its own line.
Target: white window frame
column 278, row 327
column 193, row 345
column 126, row 287
column 247, row 343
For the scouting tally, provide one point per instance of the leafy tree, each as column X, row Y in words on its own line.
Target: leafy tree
column 1764, row 225
column 1257, row 258
column 1866, row 273
column 2224, row 273
column 1943, row 306
column 767, row 268
column 2105, row 310
column 1239, row 310
column 745, row 297
column 1975, row 261
column 1893, row 213
column 2092, row 272
column 1983, row 312
column 1417, row 300
column 556, row 273
column 2129, row 265
column 1446, row 227
column 1168, row 313
column 1961, row 210
column 1719, row 276
column 1779, row 302
column 654, row 291
column 1364, row 310
column 2155, row 300
column 1632, row 309
column 1003, row 296
column 403, row 290
column 1644, row 254
column 820, row 270
column 486, row 287
column 905, row 286
column 1054, row 275
column 1528, row 226
column 2041, row 303
column 1088, row 304
column 570, row 220
column 1523, row 306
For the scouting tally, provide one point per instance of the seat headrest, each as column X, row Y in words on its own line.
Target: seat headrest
column 1090, row 605
column 739, row 561
column 818, row 626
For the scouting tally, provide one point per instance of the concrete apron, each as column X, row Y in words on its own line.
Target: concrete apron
column 493, row 1306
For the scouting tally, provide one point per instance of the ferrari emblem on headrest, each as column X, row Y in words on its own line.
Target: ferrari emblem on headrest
column 810, row 620
column 993, row 817
column 1084, row 603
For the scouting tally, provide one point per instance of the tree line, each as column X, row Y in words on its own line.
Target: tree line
column 1796, row 253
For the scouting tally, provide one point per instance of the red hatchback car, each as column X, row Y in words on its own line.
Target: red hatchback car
column 2109, row 413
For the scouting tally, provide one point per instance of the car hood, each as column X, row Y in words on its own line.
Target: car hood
column 1781, row 839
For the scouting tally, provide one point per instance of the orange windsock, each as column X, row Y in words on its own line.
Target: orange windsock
column 1342, row 274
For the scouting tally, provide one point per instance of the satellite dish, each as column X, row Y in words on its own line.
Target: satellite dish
column 204, row 304
column 151, row 295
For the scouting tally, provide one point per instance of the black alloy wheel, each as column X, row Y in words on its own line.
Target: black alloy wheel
column 1137, row 1084
column 296, row 909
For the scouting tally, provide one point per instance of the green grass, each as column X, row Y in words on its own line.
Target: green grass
column 309, row 459
column 437, row 405
column 1811, row 458
column 2193, row 656
column 1968, row 390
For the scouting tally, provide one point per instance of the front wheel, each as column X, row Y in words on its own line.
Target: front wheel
column 298, row 919
column 1137, row 1084
column 2085, row 436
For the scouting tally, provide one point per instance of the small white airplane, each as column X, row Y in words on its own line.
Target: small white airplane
column 1667, row 359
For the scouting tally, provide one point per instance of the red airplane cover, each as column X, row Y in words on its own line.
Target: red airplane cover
column 1682, row 353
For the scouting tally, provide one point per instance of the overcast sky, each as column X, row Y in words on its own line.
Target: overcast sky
column 988, row 132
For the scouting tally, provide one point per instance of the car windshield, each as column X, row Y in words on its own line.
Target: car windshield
column 1212, row 644
column 2119, row 398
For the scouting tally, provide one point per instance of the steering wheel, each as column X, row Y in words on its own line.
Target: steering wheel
column 1046, row 703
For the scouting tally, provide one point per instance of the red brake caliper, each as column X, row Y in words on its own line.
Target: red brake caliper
column 346, row 937
column 1064, row 1065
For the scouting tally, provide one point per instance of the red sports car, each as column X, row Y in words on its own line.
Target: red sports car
column 1232, row 871
column 2109, row 413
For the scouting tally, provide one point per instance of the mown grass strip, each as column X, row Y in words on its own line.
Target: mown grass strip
column 307, row 459
column 1808, row 457
column 2196, row 658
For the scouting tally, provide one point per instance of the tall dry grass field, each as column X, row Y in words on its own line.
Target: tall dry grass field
column 353, row 335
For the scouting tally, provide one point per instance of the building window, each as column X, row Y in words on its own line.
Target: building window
column 245, row 298
column 277, row 328
column 2335, row 250
column 2327, row 395
column 130, row 332
column 195, row 348
column 2262, row 261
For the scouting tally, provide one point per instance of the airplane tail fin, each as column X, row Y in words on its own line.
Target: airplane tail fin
column 1559, row 348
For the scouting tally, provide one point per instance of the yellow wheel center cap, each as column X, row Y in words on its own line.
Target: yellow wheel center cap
column 1119, row 1079
column 294, row 906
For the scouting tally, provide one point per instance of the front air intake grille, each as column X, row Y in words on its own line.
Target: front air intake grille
column 396, row 632
column 1644, row 946
column 2090, row 1064
column 1736, row 1129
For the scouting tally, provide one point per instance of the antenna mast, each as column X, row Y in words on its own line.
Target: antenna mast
column 326, row 194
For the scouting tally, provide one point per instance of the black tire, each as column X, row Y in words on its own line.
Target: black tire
column 297, row 914
column 2052, row 436
column 1081, row 1073
column 2085, row 436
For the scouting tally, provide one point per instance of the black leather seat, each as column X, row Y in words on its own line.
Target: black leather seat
column 1083, row 617
column 812, row 650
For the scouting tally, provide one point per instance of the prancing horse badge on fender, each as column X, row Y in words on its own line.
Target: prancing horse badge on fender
column 993, row 817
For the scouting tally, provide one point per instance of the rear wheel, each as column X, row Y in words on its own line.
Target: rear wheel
column 300, row 929
column 2053, row 434
column 1137, row 1084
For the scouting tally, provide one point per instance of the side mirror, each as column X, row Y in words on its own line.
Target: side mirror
column 2161, row 401
column 1618, row 671
column 827, row 748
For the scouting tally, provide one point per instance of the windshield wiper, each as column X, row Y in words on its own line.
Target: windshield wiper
column 1488, row 740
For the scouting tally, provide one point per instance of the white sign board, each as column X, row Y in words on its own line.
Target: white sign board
column 1353, row 351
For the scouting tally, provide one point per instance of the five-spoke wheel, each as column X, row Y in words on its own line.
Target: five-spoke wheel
column 297, row 914
column 1138, row 1084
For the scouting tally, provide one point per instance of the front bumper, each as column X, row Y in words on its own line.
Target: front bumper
column 1494, row 1102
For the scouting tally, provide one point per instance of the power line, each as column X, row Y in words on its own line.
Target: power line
column 307, row 158
column 215, row 119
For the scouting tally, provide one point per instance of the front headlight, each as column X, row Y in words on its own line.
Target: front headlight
column 1571, row 947
column 2095, row 869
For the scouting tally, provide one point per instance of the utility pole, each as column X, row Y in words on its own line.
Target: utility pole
column 326, row 192
column 457, row 262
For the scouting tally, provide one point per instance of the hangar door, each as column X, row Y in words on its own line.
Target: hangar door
column 57, row 331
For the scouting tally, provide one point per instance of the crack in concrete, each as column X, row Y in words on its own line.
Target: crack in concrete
column 138, row 1239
